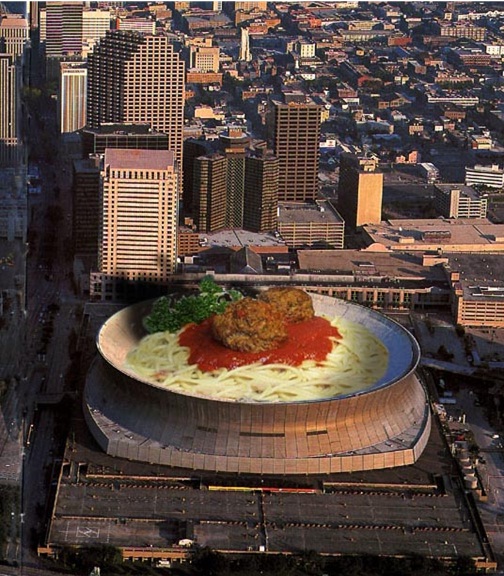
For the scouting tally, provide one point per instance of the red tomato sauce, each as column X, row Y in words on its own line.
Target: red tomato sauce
column 308, row 340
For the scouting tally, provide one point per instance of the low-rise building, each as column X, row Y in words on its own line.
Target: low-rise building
column 453, row 97
column 459, row 201
column 492, row 176
column 452, row 111
column 311, row 224
column 429, row 171
column 478, row 289
column 383, row 281
column 436, row 234
column 480, row 142
column 460, row 29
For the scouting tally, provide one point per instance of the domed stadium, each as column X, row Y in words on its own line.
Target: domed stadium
column 381, row 425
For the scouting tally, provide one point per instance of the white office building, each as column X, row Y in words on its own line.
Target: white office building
column 492, row 176
column 72, row 100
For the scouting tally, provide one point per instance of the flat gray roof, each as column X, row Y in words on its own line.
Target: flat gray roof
column 387, row 264
column 239, row 238
column 321, row 212
column 467, row 191
column 481, row 275
column 465, row 233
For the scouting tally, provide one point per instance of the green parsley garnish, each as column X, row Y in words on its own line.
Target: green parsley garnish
column 171, row 313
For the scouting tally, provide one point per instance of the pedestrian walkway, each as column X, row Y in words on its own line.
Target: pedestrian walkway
column 10, row 436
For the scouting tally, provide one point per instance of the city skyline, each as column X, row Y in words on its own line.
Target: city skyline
column 345, row 154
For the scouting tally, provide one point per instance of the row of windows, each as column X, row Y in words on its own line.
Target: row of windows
column 147, row 220
column 141, row 203
column 146, row 175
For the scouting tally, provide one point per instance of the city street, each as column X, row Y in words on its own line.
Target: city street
column 490, row 467
column 51, row 302
column 38, row 355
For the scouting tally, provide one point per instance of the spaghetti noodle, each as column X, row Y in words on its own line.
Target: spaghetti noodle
column 355, row 362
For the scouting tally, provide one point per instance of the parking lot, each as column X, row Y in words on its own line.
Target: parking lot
column 413, row 509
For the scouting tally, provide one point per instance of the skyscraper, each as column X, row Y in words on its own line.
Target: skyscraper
column 236, row 188
column 86, row 179
column 61, row 34
column 295, row 135
column 138, row 230
column 193, row 148
column 85, row 205
column 63, row 29
column 235, row 142
column 95, row 25
column 13, row 34
column 137, row 78
column 209, row 192
column 86, row 26
column 261, row 192
column 33, row 14
column 218, row 184
column 360, row 191
column 10, row 77
column 72, row 96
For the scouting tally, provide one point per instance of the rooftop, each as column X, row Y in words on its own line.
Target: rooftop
column 139, row 159
column 363, row 263
column 463, row 234
column 399, row 510
column 301, row 213
column 467, row 191
column 494, row 168
column 127, row 128
column 238, row 238
column 481, row 275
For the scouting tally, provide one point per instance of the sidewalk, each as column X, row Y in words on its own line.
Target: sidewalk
column 10, row 437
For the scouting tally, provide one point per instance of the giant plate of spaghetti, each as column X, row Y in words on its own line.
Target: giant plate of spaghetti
column 372, row 351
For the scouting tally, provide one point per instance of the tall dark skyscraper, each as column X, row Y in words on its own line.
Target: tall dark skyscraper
column 261, row 192
column 61, row 34
column 234, row 143
column 137, row 78
column 295, row 132
column 63, row 29
column 209, row 192
column 236, row 189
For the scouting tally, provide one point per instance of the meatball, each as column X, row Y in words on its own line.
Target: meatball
column 250, row 325
column 295, row 304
